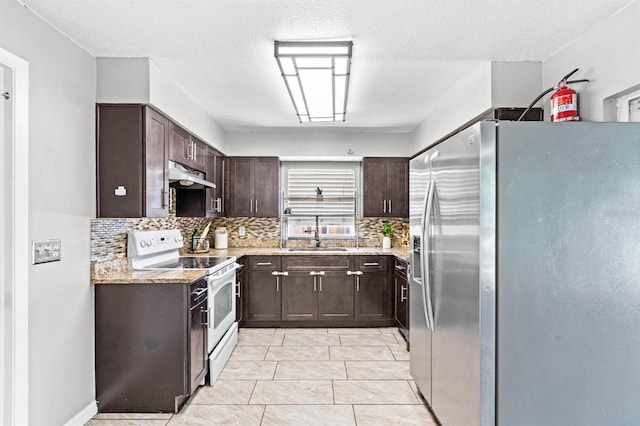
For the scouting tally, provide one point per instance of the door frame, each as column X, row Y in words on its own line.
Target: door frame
column 15, row 330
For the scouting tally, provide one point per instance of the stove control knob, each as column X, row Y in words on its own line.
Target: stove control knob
column 142, row 244
column 149, row 243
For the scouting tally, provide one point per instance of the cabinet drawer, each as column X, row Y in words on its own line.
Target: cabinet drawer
column 400, row 267
column 371, row 263
column 311, row 263
column 264, row 263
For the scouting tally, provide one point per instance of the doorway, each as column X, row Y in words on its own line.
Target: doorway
column 14, row 251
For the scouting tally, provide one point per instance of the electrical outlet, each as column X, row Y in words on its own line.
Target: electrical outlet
column 46, row 251
column 241, row 231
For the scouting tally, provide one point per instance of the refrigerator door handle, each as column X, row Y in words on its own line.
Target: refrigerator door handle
column 424, row 252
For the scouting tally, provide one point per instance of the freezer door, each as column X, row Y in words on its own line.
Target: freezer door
column 419, row 331
column 454, row 253
column 568, row 269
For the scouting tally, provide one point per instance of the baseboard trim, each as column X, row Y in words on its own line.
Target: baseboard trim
column 84, row 415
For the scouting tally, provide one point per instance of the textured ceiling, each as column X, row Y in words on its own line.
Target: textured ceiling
column 407, row 53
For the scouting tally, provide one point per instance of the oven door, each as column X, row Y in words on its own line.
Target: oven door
column 222, row 305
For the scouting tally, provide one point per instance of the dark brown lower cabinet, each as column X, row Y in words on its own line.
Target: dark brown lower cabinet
column 150, row 346
column 265, row 298
column 299, row 297
column 318, row 290
column 372, row 297
column 401, row 298
column 335, row 296
column 240, row 289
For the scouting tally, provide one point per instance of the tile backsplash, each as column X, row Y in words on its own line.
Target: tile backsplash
column 109, row 236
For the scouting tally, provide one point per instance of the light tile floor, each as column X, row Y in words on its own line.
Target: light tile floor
column 319, row 376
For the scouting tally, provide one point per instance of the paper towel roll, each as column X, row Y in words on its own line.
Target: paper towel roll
column 221, row 238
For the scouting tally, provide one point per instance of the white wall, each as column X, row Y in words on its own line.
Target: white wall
column 140, row 80
column 608, row 55
column 493, row 85
column 468, row 99
column 61, row 203
column 318, row 143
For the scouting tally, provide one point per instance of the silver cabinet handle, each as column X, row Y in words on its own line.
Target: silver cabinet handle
column 371, row 264
column 314, row 283
column 403, row 295
column 354, row 272
column 218, row 205
column 278, row 283
column 256, row 206
column 238, row 290
column 250, row 205
column 384, row 206
column 357, row 282
column 263, row 263
column 206, row 313
column 320, row 279
column 389, row 206
column 400, row 268
column 285, row 273
column 195, row 151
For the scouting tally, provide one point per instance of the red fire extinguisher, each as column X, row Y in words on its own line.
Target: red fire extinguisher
column 564, row 104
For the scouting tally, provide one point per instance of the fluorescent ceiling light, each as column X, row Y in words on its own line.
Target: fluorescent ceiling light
column 317, row 77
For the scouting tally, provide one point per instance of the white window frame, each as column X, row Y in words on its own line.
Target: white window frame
column 325, row 222
column 622, row 105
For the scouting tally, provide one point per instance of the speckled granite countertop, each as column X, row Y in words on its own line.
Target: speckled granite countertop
column 118, row 272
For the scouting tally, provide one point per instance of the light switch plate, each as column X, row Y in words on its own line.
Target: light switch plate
column 46, row 251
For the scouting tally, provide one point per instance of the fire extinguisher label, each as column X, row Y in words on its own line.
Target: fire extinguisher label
column 564, row 106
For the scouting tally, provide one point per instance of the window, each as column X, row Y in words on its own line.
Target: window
column 628, row 107
column 332, row 212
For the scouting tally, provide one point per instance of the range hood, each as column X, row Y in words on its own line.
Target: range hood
column 187, row 177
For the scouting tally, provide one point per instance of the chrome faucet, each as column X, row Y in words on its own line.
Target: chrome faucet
column 317, row 234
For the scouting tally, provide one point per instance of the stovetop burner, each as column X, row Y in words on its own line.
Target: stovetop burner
column 191, row 262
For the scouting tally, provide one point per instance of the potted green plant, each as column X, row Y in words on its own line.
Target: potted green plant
column 387, row 231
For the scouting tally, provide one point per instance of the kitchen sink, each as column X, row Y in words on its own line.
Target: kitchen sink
column 318, row 249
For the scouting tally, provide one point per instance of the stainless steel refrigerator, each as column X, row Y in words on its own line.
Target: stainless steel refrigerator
column 525, row 274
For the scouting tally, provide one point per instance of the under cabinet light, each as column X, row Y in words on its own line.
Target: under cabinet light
column 317, row 77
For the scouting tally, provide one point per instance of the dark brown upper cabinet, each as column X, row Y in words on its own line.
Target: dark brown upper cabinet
column 385, row 183
column 253, row 184
column 186, row 149
column 131, row 169
column 214, row 200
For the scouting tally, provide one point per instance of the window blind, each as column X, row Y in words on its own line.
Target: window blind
column 338, row 191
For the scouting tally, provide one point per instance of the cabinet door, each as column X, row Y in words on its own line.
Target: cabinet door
column 198, row 345
column 156, row 181
column 371, row 288
column 240, row 289
column 120, row 160
column 179, row 144
column 240, row 176
column 210, row 193
column 299, row 297
column 400, row 300
column 198, row 159
column 398, row 187
column 219, row 181
column 374, row 187
column 335, row 296
column 266, row 186
column 264, row 296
